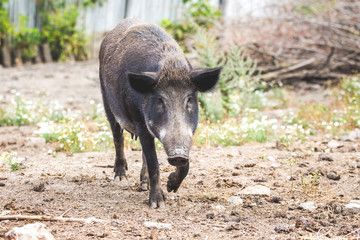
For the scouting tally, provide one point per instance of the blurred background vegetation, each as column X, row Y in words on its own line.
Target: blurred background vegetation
column 260, row 48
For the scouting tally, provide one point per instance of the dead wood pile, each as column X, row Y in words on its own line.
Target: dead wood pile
column 315, row 41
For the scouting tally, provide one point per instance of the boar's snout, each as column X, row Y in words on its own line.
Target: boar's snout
column 178, row 156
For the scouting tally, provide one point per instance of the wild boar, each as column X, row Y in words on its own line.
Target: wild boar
column 150, row 89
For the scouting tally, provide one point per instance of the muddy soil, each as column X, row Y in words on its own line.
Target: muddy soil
column 207, row 205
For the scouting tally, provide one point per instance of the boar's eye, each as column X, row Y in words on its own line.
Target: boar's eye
column 160, row 105
column 190, row 104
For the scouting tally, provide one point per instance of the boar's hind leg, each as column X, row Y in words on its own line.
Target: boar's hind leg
column 175, row 178
column 156, row 198
column 144, row 175
column 120, row 161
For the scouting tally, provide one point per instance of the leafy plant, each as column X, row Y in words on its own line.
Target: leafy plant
column 11, row 160
column 202, row 12
column 237, row 75
column 26, row 39
column 61, row 32
column 197, row 14
column 5, row 26
column 310, row 181
column 291, row 163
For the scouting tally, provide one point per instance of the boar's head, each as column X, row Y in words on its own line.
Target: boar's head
column 170, row 109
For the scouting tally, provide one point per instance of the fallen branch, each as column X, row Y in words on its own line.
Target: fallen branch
column 297, row 66
column 47, row 218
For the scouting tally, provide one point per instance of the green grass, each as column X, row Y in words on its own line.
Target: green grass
column 80, row 132
column 11, row 160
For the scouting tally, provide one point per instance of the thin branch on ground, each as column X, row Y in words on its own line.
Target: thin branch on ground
column 48, row 218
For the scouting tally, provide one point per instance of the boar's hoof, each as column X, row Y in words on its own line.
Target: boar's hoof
column 120, row 174
column 144, row 185
column 157, row 199
column 172, row 185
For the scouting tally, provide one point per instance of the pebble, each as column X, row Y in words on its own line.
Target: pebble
column 325, row 157
column 334, row 144
column 231, row 219
column 157, row 225
column 2, row 184
column 219, row 207
column 259, row 190
column 333, row 176
column 235, row 200
column 353, row 204
column 29, row 232
column 35, row 142
column 352, row 136
column 276, row 199
column 283, row 229
column 308, row 206
column 275, row 165
column 306, row 224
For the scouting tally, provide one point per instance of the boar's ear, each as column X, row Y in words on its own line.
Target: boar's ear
column 143, row 82
column 205, row 79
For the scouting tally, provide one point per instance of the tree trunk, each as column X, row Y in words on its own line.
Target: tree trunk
column 46, row 53
column 5, row 56
column 37, row 58
column 17, row 57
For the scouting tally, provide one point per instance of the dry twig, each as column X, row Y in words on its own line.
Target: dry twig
column 47, row 218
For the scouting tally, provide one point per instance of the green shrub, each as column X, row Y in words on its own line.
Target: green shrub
column 60, row 31
column 5, row 26
column 26, row 39
column 11, row 160
column 197, row 14
column 237, row 75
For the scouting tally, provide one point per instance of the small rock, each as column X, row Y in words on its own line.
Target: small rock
column 235, row 200
column 325, row 157
column 219, row 207
column 12, row 142
column 36, row 142
column 278, row 214
column 334, row 144
column 249, row 165
column 333, row 176
column 260, row 179
column 210, row 216
column 157, row 225
column 2, row 184
column 271, row 158
column 40, row 187
column 231, row 219
column 280, row 146
column 307, row 206
column 275, row 199
column 306, row 224
column 283, row 229
column 256, row 190
column 352, row 136
column 275, row 165
column 33, row 231
column 233, row 227
column 353, row 204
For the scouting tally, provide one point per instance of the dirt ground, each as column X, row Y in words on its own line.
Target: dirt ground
column 82, row 186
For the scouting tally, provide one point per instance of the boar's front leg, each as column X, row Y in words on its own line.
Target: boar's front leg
column 120, row 161
column 156, row 198
column 175, row 178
